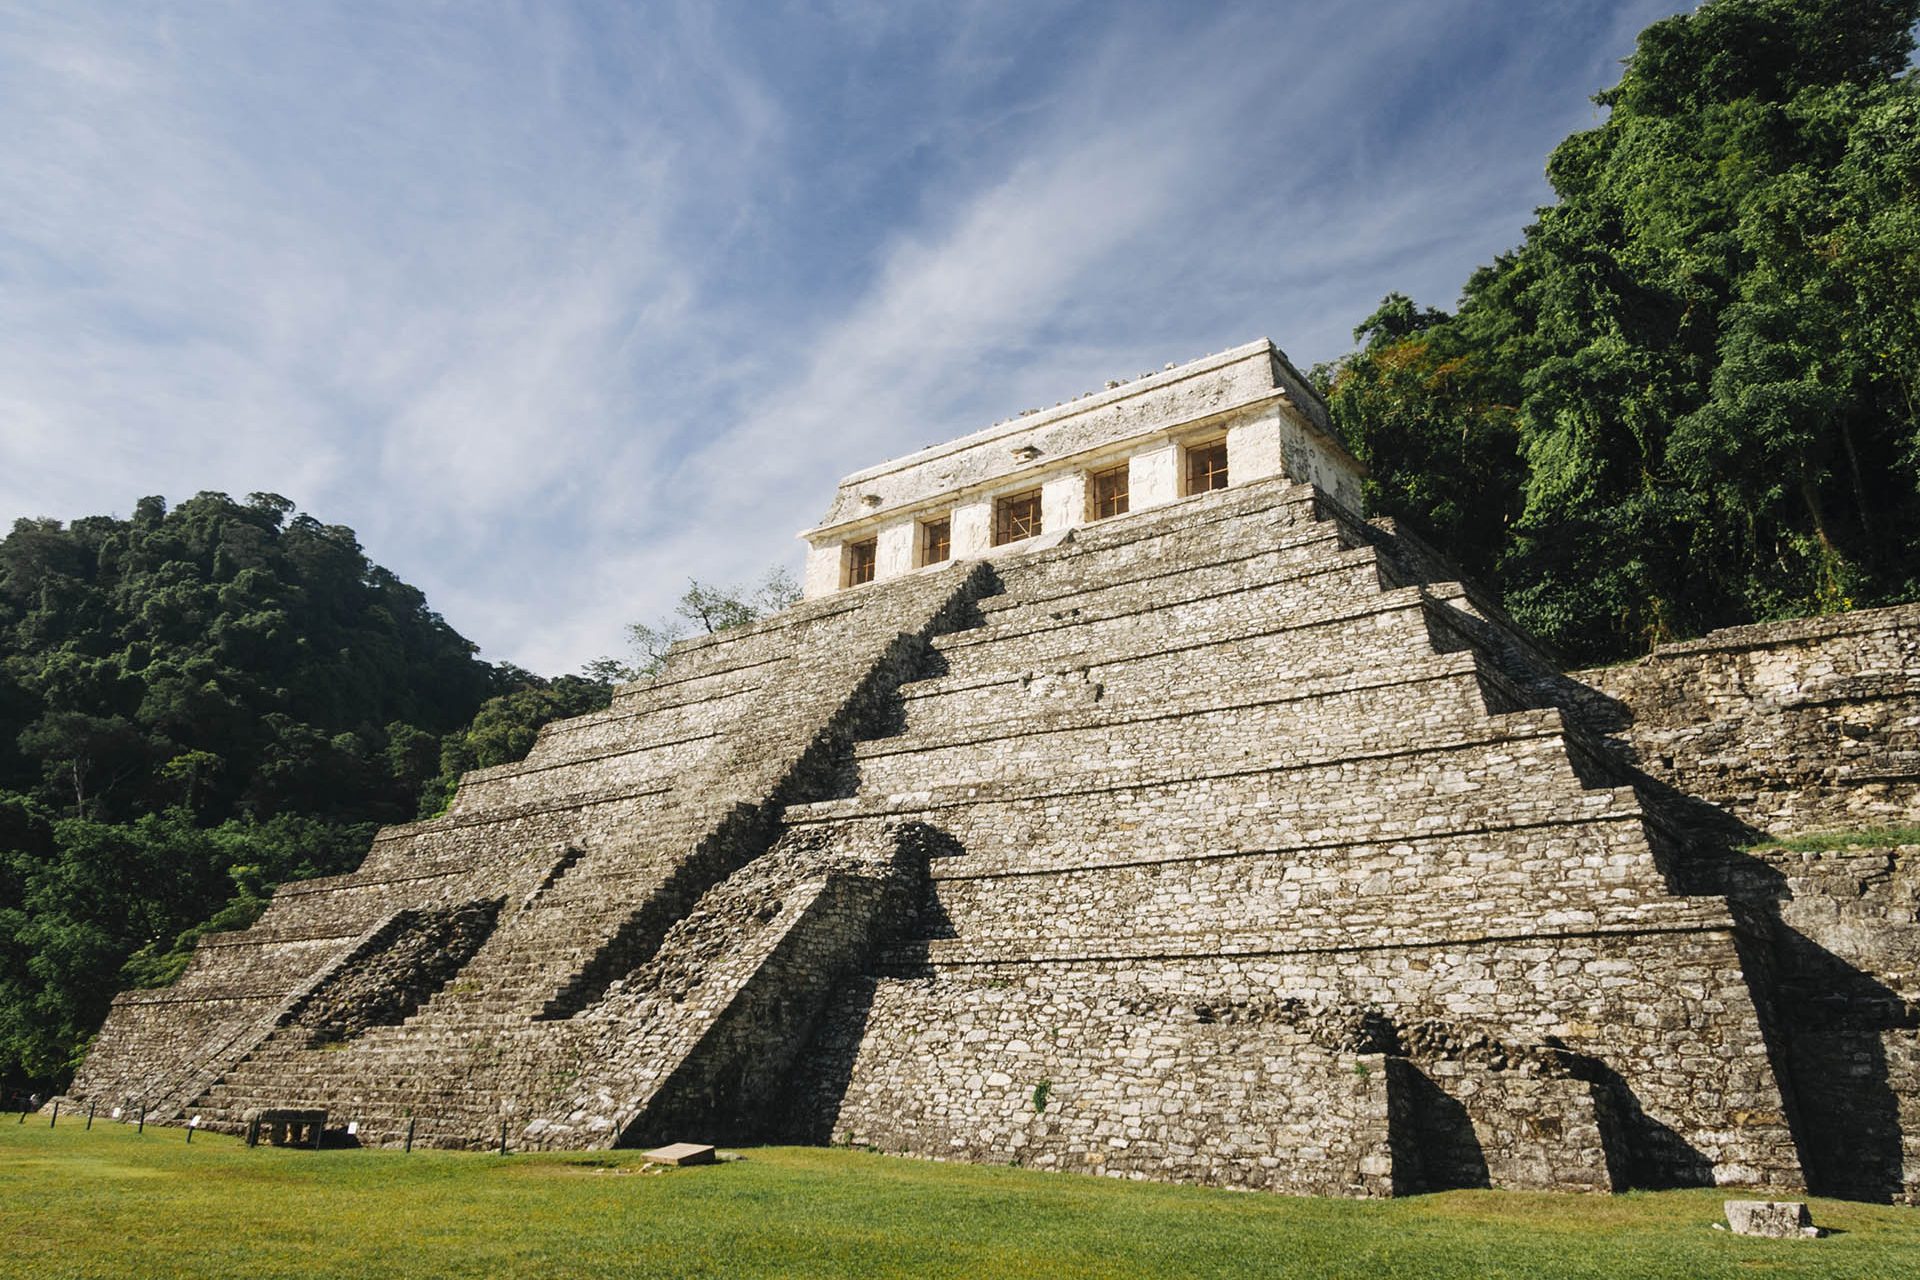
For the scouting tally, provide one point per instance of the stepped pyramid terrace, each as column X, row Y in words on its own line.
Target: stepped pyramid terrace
column 1121, row 799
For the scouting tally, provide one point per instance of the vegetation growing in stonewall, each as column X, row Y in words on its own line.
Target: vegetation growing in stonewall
column 1691, row 397
column 200, row 703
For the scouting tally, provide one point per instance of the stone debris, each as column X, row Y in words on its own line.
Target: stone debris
column 682, row 1153
column 1775, row 1219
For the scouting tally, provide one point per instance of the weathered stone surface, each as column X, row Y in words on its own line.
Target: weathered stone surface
column 1810, row 725
column 1231, row 840
column 1775, row 1219
column 682, row 1153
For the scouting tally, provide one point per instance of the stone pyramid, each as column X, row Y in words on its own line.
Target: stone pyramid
column 1227, row 839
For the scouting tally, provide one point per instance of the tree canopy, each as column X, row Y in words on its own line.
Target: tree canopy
column 1688, row 398
column 195, row 704
column 198, row 704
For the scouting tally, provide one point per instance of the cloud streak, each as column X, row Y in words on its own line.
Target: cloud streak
column 558, row 305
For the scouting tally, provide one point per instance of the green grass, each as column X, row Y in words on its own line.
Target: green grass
column 111, row 1203
column 1862, row 838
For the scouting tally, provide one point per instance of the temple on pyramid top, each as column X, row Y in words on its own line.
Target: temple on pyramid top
column 1197, row 827
column 1229, row 419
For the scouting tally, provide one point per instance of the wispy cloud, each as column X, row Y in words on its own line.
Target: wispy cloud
column 560, row 304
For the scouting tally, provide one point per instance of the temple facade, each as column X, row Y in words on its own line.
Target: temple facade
column 1234, row 418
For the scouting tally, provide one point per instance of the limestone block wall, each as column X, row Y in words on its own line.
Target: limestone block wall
column 1088, row 1078
column 1845, row 947
column 1802, row 726
column 1457, row 1126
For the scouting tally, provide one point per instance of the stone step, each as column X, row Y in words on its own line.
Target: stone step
column 1095, row 696
column 1179, row 602
column 623, row 724
column 1587, row 865
column 1315, row 642
column 1385, row 927
column 1427, row 761
column 1033, row 591
column 1242, row 726
column 1044, row 834
column 657, row 763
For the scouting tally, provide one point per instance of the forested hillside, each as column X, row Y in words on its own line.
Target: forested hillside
column 198, row 704
column 1691, row 396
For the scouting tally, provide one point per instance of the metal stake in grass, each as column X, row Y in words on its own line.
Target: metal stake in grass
column 90, row 1107
column 409, row 1147
column 503, row 1137
column 54, row 1119
column 142, row 1127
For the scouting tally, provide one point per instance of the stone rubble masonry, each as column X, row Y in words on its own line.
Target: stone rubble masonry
column 1809, row 725
column 1233, row 840
column 1776, row 1219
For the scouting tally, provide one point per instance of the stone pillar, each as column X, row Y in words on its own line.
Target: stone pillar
column 1063, row 502
column 972, row 529
column 1253, row 448
column 1153, row 477
column 822, row 574
column 894, row 554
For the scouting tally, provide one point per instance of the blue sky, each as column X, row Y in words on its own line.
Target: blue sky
column 560, row 304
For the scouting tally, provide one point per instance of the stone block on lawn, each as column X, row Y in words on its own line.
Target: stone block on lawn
column 1776, row 1219
column 682, row 1153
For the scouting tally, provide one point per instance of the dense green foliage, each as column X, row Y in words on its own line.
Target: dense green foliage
column 504, row 728
column 1689, row 398
column 195, row 705
column 199, row 704
column 111, row 1203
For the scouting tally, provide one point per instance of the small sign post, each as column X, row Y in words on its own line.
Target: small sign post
column 191, row 1126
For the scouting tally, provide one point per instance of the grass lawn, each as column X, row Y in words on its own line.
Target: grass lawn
column 113, row 1203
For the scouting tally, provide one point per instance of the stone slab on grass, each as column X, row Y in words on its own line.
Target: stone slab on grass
column 681, row 1153
column 1775, row 1219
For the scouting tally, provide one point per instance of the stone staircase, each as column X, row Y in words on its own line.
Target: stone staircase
column 598, row 846
column 1248, row 752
